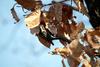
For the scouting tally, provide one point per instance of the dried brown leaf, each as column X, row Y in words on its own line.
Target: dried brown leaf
column 64, row 52
column 76, row 30
column 44, row 41
column 60, row 12
column 33, row 19
column 72, row 52
column 29, row 4
column 66, row 12
column 76, row 48
column 14, row 14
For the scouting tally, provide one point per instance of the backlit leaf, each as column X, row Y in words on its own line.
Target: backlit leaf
column 33, row 19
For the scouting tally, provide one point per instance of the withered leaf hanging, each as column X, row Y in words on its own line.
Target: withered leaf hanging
column 14, row 14
column 29, row 4
column 44, row 41
column 33, row 19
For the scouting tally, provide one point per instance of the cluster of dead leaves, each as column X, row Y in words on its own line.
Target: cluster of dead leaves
column 58, row 24
column 85, row 53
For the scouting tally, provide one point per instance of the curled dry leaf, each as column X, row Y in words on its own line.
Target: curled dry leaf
column 45, row 37
column 14, row 14
column 74, row 48
column 64, row 52
column 33, row 19
column 29, row 4
column 44, row 41
column 72, row 52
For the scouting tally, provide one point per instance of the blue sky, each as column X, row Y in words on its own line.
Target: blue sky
column 18, row 47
